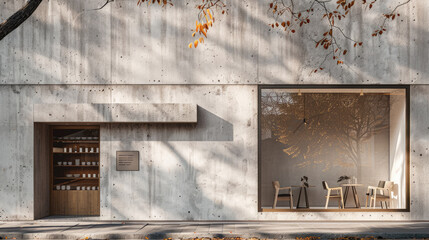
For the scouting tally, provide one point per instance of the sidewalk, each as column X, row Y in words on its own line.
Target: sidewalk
column 60, row 229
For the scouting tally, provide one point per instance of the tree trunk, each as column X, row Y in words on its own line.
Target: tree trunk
column 358, row 161
column 18, row 18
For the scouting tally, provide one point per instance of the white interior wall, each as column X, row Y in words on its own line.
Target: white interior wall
column 397, row 148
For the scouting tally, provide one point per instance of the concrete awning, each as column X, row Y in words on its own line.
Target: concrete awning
column 116, row 113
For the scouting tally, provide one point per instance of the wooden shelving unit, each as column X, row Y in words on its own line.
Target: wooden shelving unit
column 75, row 201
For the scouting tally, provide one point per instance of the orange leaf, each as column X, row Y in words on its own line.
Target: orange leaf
column 196, row 43
column 190, row 45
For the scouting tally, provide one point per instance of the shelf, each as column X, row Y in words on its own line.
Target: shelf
column 76, row 141
column 75, row 152
column 75, row 190
column 76, row 178
column 73, row 201
column 76, row 165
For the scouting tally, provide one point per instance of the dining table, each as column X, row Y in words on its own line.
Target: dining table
column 303, row 189
column 351, row 186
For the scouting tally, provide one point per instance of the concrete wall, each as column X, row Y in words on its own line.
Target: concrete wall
column 187, row 170
column 203, row 171
column 66, row 42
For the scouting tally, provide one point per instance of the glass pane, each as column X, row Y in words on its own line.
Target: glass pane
column 326, row 134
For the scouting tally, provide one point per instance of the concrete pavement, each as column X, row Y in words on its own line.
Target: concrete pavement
column 66, row 229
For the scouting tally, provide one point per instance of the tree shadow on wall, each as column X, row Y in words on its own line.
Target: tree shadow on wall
column 209, row 127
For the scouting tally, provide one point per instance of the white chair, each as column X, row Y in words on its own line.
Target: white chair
column 371, row 190
column 338, row 195
column 381, row 194
column 282, row 197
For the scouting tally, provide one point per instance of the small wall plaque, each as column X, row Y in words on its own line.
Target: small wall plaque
column 127, row 160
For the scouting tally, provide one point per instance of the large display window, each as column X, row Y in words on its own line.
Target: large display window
column 333, row 148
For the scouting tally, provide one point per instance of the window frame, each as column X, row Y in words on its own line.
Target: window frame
column 330, row 86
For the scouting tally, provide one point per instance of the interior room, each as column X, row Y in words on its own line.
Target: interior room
column 333, row 149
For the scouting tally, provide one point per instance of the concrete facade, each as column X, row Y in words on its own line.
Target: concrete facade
column 123, row 54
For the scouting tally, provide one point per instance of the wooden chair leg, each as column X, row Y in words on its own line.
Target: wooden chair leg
column 291, row 201
column 275, row 202
column 366, row 202
column 342, row 200
column 327, row 199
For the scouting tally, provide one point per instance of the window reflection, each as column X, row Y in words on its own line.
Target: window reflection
column 324, row 134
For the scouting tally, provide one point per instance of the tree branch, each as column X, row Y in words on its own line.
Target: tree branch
column 18, row 18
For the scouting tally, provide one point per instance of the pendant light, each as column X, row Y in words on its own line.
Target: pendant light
column 304, row 120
